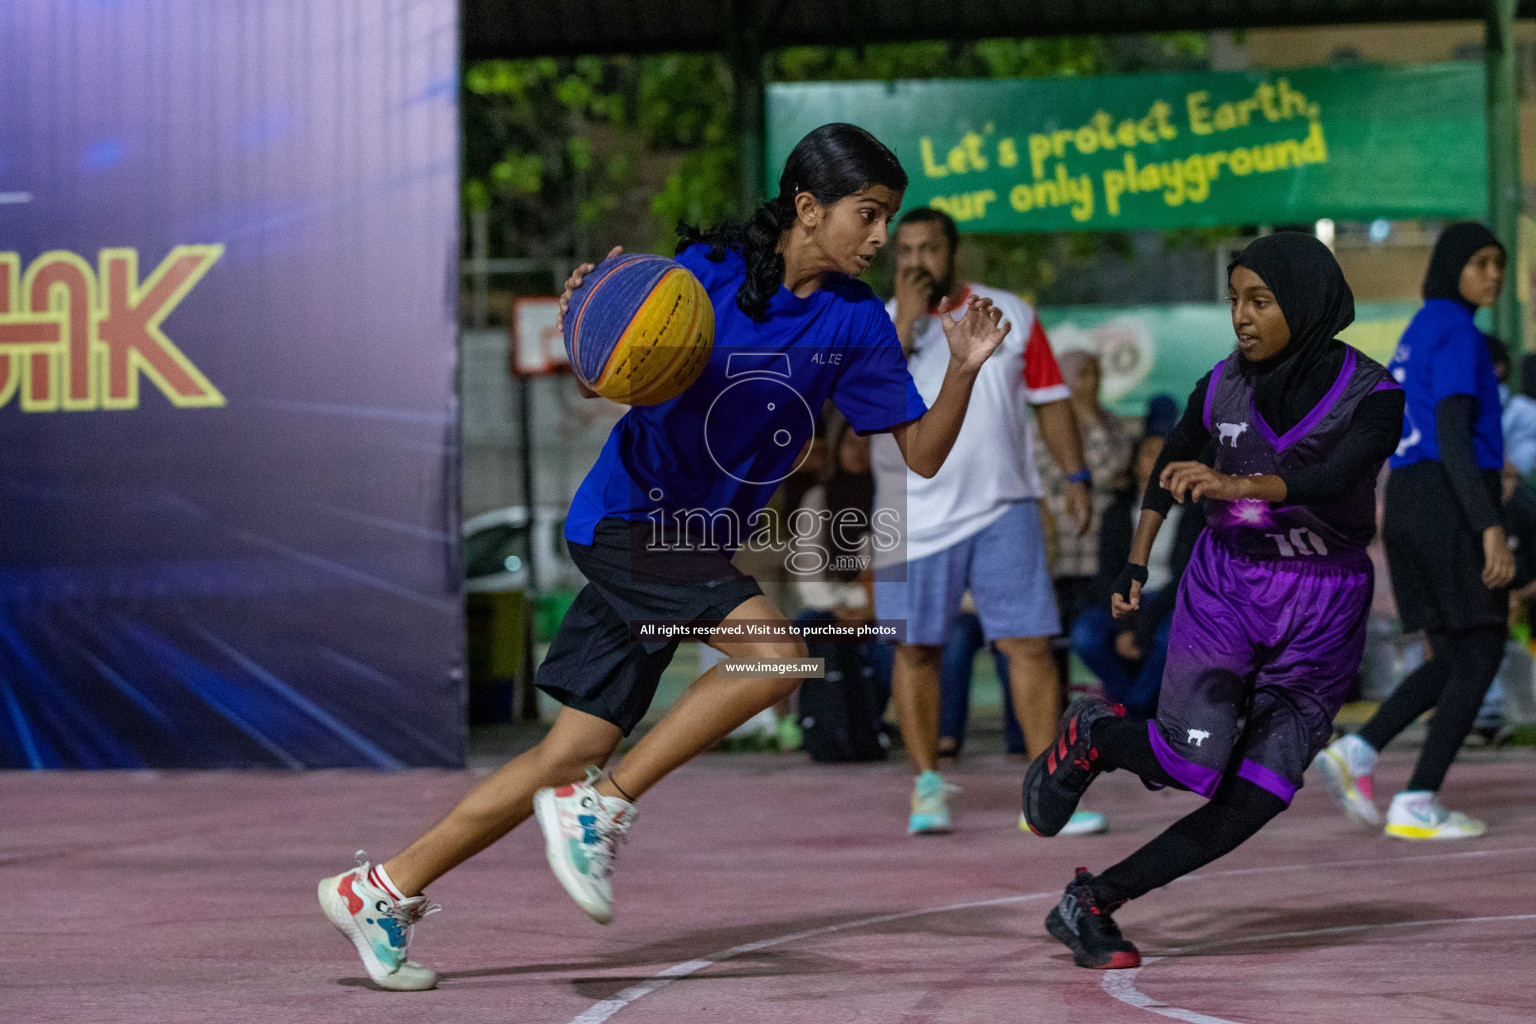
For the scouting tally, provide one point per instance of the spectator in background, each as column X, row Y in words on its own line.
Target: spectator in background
column 1446, row 546
column 1107, row 450
column 1518, row 415
column 1127, row 654
column 1517, row 419
column 976, row 523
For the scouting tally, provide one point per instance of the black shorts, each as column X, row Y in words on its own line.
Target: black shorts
column 593, row 665
column 1435, row 558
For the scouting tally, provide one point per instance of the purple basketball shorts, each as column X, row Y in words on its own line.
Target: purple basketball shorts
column 1261, row 656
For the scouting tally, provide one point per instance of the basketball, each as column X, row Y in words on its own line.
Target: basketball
column 639, row 329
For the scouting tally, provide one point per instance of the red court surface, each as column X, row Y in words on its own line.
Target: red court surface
column 754, row 888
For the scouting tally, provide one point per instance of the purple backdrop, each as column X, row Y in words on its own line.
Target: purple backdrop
column 228, row 488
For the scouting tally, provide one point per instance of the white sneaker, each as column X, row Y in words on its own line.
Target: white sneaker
column 1346, row 765
column 379, row 926
column 582, row 830
column 1418, row 814
column 1082, row 823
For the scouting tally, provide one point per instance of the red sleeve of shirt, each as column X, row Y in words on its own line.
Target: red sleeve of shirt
column 1040, row 369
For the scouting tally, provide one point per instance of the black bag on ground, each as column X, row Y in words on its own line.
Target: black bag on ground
column 843, row 715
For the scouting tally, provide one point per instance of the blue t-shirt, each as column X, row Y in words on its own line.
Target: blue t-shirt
column 725, row 444
column 1442, row 353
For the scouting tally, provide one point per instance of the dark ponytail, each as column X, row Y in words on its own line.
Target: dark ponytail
column 831, row 163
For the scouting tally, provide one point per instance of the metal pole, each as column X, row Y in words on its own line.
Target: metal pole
column 480, row 254
column 529, row 699
column 748, row 100
column 1504, row 159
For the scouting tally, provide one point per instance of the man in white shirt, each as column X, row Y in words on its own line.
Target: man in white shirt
column 976, row 524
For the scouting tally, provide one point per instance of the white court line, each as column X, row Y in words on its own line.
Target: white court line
column 15, row 197
column 599, row 1012
column 1122, row 984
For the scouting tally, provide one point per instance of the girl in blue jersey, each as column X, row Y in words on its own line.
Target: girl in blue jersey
column 1444, row 533
column 653, row 526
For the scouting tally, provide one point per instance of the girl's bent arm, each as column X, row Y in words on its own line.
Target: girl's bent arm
column 925, row 442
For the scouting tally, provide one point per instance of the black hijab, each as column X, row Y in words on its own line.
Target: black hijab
column 1317, row 304
column 1454, row 248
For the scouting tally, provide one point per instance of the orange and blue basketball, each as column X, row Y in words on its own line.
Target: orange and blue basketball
column 639, row 329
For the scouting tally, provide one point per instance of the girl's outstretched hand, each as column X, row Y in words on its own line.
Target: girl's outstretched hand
column 975, row 336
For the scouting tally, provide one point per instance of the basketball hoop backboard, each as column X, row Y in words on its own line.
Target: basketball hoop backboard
column 537, row 346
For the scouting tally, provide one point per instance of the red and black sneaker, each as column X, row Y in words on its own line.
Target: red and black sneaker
column 1058, row 778
column 1083, row 924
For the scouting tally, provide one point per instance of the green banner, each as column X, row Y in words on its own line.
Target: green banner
column 1166, row 151
column 1149, row 350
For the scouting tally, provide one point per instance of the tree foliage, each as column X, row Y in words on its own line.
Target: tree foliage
column 570, row 155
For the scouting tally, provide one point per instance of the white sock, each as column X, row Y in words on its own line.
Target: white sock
column 383, row 881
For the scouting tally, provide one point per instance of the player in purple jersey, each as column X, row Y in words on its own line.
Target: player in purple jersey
column 1270, row 621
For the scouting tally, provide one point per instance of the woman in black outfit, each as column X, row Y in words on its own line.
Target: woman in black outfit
column 1450, row 560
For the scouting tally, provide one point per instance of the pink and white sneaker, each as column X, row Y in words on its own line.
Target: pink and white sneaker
column 582, row 831
column 378, row 921
column 1346, row 765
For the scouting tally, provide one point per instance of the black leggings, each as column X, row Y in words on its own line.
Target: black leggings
column 1454, row 683
column 1236, row 811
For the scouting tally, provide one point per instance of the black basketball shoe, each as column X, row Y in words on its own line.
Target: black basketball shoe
column 1058, row 778
column 1084, row 925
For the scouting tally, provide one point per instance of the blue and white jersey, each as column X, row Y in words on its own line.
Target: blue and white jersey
column 1442, row 353
column 715, row 454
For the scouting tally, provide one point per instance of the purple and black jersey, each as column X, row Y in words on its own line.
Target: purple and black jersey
column 1246, row 446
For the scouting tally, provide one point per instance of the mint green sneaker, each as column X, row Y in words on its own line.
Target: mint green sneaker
column 582, row 831
column 791, row 736
column 930, row 806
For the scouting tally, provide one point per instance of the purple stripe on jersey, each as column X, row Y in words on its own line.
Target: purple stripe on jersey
column 1314, row 417
column 1198, row 778
column 1210, row 391
column 1266, row 778
column 1387, row 385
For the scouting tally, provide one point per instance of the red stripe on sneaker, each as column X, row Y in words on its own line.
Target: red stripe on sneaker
column 1050, row 762
column 1072, row 729
column 1061, row 748
column 354, row 901
column 565, row 791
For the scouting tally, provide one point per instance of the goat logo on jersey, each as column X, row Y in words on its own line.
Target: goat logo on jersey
column 1226, row 431
column 1198, row 737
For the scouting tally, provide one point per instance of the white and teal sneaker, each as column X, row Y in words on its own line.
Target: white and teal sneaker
column 930, row 805
column 1418, row 814
column 1346, row 765
column 582, row 830
column 1082, row 823
column 379, row 925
